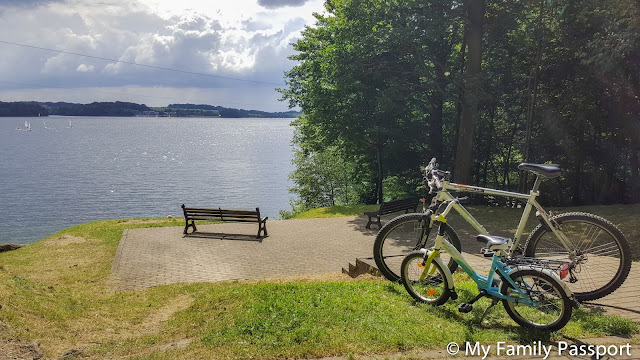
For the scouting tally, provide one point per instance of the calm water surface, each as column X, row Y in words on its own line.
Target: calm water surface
column 58, row 175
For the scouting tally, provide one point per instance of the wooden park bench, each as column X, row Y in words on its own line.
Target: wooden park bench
column 392, row 207
column 222, row 215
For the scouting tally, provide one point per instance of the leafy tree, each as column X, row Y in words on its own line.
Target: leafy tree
column 491, row 83
column 472, row 88
column 323, row 178
column 364, row 78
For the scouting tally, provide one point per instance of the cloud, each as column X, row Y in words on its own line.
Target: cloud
column 26, row 3
column 85, row 68
column 254, row 48
column 274, row 4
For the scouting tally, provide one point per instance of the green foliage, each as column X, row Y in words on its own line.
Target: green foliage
column 210, row 110
column 364, row 75
column 559, row 84
column 323, row 178
column 22, row 109
column 117, row 108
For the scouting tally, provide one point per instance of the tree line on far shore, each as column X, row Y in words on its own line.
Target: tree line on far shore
column 481, row 85
column 120, row 108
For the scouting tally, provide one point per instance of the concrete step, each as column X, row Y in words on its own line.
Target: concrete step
column 362, row 266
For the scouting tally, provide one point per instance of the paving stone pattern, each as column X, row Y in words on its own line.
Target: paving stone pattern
column 219, row 252
column 294, row 248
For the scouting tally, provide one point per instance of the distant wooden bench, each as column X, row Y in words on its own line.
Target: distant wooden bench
column 392, row 207
column 193, row 214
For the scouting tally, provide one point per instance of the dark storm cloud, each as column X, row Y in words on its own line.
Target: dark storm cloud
column 274, row 4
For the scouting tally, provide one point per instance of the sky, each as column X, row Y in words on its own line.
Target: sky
column 229, row 53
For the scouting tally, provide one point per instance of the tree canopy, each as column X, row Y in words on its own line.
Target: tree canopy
column 480, row 84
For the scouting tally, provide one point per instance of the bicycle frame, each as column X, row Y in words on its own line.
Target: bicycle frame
column 444, row 196
column 483, row 283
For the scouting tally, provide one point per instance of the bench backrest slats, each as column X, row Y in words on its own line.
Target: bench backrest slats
column 397, row 205
column 196, row 213
column 219, row 211
column 222, row 214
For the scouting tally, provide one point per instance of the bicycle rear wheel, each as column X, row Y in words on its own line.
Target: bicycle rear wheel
column 554, row 307
column 599, row 250
column 403, row 235
column 432, row 287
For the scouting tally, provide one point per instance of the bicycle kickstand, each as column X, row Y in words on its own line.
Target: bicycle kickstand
column 494, row 302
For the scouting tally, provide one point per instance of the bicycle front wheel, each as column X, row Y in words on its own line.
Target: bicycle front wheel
column 552, row 309
column 430, row 287
column 598, row 249
column 404, row 234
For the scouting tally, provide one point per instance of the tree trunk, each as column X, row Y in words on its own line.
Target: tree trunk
column 635, row 173
column 379, row 175
column 441, row 82
column 489, row 150
column 532, row 92
column 435, row 126
column 464, row 150
column 578, row 166
column 459, row 88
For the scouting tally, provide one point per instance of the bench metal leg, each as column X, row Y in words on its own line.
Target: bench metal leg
column 368, row 223
column 262, row 226
column 187, row 226
column 368, row 226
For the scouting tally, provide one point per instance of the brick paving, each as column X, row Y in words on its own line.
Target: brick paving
column 219, row 252
column 294, row 248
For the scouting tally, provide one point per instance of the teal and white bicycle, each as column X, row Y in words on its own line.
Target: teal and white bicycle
column 533, row 297
column 595, row 253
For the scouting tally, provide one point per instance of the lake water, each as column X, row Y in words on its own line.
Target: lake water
column 72, row 170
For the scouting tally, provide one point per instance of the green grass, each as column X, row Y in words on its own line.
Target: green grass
column 58, row 292
column 337, row 210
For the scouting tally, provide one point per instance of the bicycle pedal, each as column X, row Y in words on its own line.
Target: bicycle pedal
column 465, row 308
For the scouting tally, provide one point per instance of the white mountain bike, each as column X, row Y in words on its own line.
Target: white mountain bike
column 596, row 253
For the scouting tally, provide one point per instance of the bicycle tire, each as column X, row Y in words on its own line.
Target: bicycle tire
column 555, row 306
column 433, row 289
column 609, row 259
column 391, row 244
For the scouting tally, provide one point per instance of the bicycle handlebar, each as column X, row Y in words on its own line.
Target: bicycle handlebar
column 434, row 176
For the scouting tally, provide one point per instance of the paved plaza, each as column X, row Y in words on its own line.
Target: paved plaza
column 294, row 248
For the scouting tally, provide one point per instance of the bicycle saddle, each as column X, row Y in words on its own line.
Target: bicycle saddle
column 549, row 171
column 492, row 240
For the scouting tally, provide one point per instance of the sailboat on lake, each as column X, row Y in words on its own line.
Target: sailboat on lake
column 27, row 126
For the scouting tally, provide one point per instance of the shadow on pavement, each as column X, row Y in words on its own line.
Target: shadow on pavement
column 223, row 236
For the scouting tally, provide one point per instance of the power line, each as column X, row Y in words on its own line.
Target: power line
column 138, row 64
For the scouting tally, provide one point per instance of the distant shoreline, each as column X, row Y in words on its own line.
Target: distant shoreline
column 127, row 109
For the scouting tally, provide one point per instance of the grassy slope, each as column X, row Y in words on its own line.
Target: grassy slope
column 58, row 291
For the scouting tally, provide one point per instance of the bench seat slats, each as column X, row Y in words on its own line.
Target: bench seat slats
column 225, row 218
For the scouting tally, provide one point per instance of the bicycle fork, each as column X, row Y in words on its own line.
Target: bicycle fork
column 431, row 256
